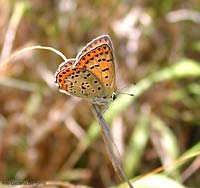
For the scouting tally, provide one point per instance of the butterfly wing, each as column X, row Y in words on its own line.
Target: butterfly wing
column 92, row 74
column 103, row 39
column 77, row 82
column 98, row 59
column 64, row 70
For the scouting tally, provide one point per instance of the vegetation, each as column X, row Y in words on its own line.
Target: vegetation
column 48, row 136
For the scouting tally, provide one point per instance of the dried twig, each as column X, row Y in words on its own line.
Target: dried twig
column 110, row 146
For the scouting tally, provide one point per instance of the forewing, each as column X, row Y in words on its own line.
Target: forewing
column 100, row 62
column 103, row 39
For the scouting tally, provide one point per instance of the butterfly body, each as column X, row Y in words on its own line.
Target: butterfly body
column 91, row 75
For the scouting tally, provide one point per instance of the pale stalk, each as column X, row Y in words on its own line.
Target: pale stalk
column 111, row 146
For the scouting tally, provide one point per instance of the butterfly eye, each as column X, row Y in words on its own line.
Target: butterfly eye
column 114, row 96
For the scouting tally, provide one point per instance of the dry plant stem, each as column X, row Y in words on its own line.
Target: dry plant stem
column 191, row 169
column 110, row 145
column 19, row 10
column 172, row 165
column 4, row 62
column 183, row 15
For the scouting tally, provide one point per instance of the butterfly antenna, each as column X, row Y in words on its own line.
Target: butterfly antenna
column 124, row 93
column 130, row 94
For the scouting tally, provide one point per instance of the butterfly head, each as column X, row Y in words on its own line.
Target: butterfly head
column 114, row 96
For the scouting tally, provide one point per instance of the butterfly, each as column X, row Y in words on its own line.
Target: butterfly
column 91, row 75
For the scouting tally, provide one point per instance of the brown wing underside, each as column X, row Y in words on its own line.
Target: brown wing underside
column 78, row 82
column 104, row 39
column 92, row 73
column 100, row 62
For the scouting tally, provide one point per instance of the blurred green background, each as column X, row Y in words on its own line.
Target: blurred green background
column 46, row 135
